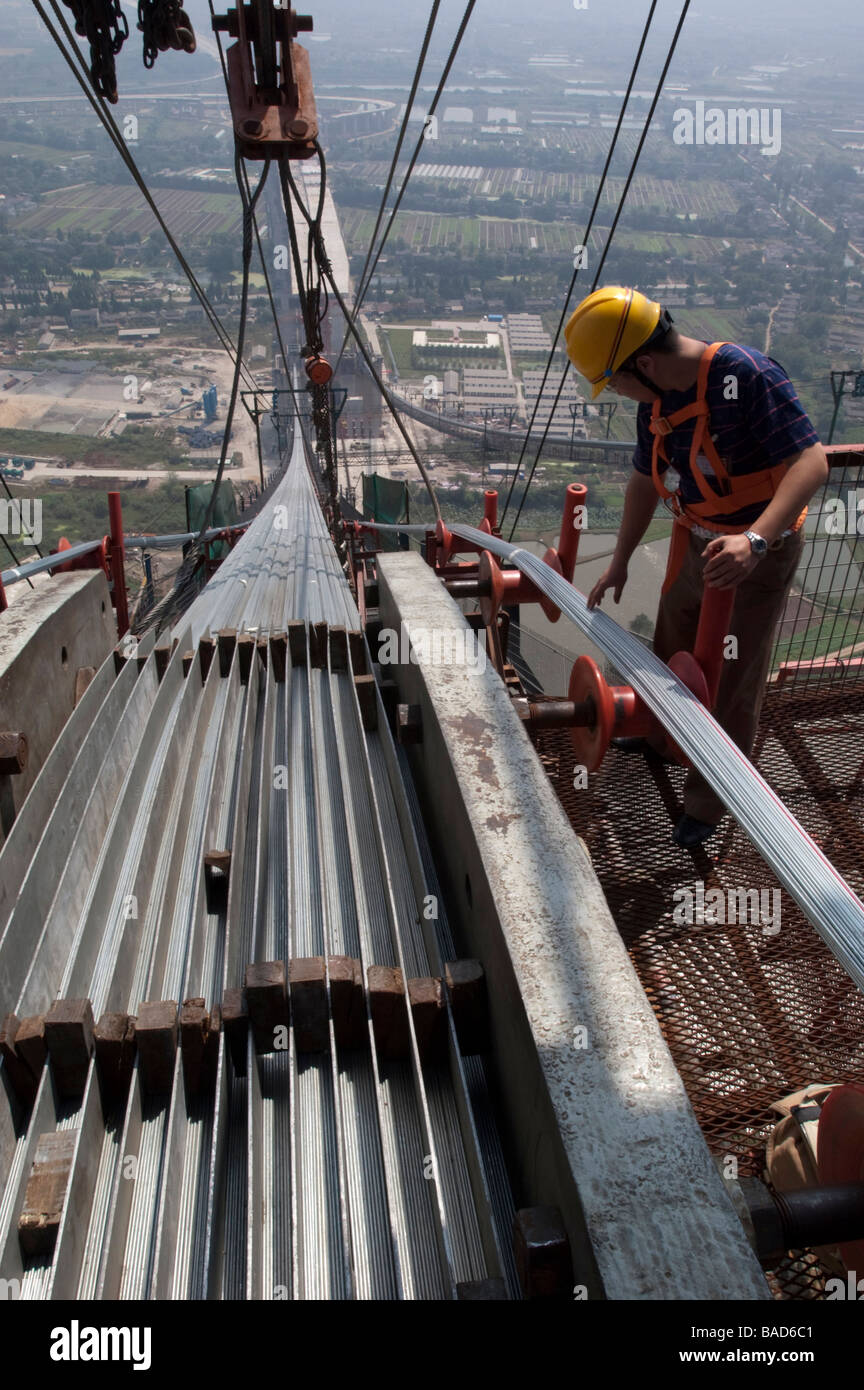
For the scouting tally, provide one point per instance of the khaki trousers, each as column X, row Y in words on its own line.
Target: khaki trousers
column 759, row 603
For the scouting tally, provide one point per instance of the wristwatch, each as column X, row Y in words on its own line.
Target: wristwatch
column 758, row 544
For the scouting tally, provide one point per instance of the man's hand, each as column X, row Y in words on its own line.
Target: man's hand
column 730, row 559
column 614, row 578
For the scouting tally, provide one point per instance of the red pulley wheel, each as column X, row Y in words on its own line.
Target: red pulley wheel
column 840, row 1146
column 489, row 573
column 591, row 741
column 318, row 370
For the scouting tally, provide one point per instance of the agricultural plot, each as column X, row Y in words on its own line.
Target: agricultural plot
column 43, row 154
column 428, row 231
column 96, row 208
column 705, row 198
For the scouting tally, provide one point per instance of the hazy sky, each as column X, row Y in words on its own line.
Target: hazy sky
column 770, row 28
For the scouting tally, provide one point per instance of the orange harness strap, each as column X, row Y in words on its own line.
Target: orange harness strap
column 738, row 491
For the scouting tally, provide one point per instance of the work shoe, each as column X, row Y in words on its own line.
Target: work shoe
column 640, row 745
column 690, row 832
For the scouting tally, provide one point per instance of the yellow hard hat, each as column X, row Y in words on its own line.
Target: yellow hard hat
column 607, row 328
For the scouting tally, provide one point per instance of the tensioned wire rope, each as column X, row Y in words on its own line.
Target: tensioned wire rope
column 808, row 875
column 391, row 173
column 616, row 218
column 82, row 77
column 291, row 195
column 187, row 577
column 451, row 58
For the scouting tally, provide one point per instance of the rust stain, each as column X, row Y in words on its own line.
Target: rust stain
column 474, row 732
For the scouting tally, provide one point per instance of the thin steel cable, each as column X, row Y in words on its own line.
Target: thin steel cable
column 451, row 58
column 403, row 130
column 615, row 220
column 821, row 892
column 327, row 273
column 82, row 77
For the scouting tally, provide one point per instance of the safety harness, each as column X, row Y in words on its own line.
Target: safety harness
column 738, row 492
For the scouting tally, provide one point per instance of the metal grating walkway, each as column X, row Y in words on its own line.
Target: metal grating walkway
column 748, row 1015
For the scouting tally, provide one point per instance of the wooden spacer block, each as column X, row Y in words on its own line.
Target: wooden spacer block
column 20, row 1077
column 267, row 1002
column 365, row 687
column 297, row 642
column 199, row 1045
column 279, row 655
column 346, row 1002
column 245, row 653
column 226, row 640
column 114, row 1040
column 206, row 648
column 46, row 1191
column 388, row 1010
column 308, row 981
column 13, row 753
column 338, row 638
column 542, row 1253
column 235, row 1021
column 357, row 648
column 429, row 1015
column 69, row 1039
column 162, row 655
column 156, row 1038
column 30, row 1043
column 466, row 984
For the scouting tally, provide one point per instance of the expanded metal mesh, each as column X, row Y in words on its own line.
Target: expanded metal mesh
column 820, row 639
column 750, row 1013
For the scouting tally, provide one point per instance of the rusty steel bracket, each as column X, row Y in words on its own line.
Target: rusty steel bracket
column 269, row 81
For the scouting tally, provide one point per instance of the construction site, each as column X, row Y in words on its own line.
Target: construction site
column 343, row 954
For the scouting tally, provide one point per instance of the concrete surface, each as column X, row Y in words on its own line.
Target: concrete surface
column 46, row 636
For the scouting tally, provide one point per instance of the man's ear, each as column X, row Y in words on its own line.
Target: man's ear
column 645, row 363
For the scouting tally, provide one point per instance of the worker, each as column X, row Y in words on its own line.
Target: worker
column 724, row 440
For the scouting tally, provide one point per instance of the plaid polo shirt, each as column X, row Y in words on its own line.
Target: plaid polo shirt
column 755, row 420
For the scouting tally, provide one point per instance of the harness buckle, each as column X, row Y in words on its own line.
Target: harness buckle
column 660, row 425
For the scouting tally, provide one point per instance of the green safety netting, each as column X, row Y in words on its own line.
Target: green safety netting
column 224, row 511
column 384, row 499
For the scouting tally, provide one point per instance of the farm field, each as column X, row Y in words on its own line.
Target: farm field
column 44, row 153
column 705, row 198
column 427, row 231
column 89, row 207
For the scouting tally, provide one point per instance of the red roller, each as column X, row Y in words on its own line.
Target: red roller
column 571, row 527
column 840, row 1145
